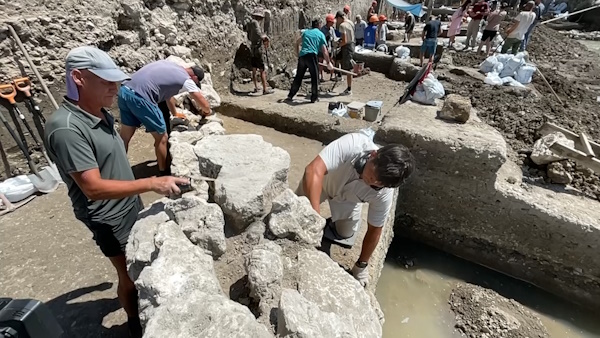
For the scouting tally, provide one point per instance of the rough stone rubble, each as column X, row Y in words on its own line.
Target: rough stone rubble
column 173, row 249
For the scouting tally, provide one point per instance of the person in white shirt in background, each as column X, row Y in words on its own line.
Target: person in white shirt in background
column 516, row 32
column 350, row 171
column 382, row 31
column 359, row 30
column 539, row 11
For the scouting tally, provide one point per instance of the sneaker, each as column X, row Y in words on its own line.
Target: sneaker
column 268, row 91
column 347, row 92
column 255, row 90
column 288, row 100
column 315, row 100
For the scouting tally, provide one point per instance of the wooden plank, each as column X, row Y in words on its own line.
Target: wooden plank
column 576, row 155
column 585, row 143
column 339, row 69
column 549, row 128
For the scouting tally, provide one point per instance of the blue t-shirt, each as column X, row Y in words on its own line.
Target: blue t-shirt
column 370, row 36
column 312, row 41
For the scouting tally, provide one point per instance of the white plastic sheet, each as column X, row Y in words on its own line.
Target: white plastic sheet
column 17, row 188
column 493, row 79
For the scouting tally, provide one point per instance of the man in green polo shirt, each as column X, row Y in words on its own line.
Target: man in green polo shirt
column 80, row 138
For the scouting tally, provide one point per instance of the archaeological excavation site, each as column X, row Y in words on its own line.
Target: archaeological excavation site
column 496, row 232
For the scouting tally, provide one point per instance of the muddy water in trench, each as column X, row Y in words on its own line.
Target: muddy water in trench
column 415, row 300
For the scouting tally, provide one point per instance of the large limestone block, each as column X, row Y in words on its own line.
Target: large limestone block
column 456, row 107
column 201, row 222
column 140, row 247
column 293, row 217
column 179, row 269
column 184, row 161
column 299, row 318
column 542, row 154
column 325, row 283
column 212, row 128
column 265, row 271
column 200, row 314
column 402, row 70
column 249, row 174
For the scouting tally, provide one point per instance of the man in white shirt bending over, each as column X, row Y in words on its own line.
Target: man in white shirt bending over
column 516, row 32
column 350, row 171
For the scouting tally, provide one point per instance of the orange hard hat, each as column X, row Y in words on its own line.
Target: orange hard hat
column 373, row 19
column 374, row 3
column 330, row 18
column 347, row 8
column 382, row 18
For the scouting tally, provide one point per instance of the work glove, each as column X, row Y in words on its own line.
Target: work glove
column 361, row 274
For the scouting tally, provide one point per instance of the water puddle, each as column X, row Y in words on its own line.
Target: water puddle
column 415, row 299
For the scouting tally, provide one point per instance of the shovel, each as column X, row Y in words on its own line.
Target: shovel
column 10, row 96
column 24, row 85
column 20, row 144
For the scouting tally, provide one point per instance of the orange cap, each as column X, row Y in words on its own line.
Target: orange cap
column 347, row 8
column 330, row 18
column 382, row 18
column 373, row 19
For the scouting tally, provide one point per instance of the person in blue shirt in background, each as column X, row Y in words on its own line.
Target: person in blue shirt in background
column 312, row 41
column 430, row 34
column 371, row 33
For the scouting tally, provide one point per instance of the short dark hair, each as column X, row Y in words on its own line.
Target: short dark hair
column 340, row 14
column 316, row 23
column 393, row 165
column 199, row 72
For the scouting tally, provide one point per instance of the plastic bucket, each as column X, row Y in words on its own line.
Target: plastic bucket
column 372, row 110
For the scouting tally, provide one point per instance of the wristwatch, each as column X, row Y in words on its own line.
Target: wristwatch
column 362, row 265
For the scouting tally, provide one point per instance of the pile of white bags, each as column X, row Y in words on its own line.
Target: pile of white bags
column 507, row 69
column 403, row 52
column 429, row 90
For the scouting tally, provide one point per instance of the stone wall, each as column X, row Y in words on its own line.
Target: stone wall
column 236, row 256
column 136, row 32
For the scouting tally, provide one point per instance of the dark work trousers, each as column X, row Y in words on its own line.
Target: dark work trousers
column 310, row 62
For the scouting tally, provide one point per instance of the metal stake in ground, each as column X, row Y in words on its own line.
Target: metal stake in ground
column 10, row 96
column 23, row 85
column 20, row 144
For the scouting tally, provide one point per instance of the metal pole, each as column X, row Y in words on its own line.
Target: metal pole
column 568, row 15
column 37, row 74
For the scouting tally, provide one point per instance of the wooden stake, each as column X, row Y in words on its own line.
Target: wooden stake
column 585, row 143
column 549, row 128
column 549, row 86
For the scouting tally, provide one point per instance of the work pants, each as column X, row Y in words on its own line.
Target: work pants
column 527, row 36
column 472, row 31
column 307, row 61
column 346, row 215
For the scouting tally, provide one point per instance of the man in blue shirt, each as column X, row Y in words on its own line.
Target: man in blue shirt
column 538, row 10
column 371, row 33
column 430, row 33
column 312, row 41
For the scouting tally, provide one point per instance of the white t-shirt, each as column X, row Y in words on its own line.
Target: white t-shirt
column 190, row 86
column 525, row 20
column 343, row 184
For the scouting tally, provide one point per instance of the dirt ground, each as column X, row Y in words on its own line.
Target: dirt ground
column 48, row 255
column 572, row 71
column 484, row 313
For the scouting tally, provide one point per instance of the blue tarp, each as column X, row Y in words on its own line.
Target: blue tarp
column 416, row 10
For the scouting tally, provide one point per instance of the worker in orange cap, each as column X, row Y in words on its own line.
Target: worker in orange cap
column 372, row 10
column 329, row 33
column 371, row 33
column 347, row 10
column 382, row 31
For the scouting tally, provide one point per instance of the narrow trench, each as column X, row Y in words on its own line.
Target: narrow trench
column 417, row 280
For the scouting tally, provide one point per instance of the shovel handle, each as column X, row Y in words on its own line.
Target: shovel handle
column 4, row 93
column 23, row 84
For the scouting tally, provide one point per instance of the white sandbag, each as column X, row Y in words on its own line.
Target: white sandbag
column 493, row 79
column 509, row 81
column 488, row 64
column 420, row 96
column 403, row 52
column 503, row 58
column 511, row 66
column 17, row 188
column 498, row 68
column 525, row 73
column 433, row 88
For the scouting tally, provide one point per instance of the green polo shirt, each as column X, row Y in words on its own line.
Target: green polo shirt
column 78, row 141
